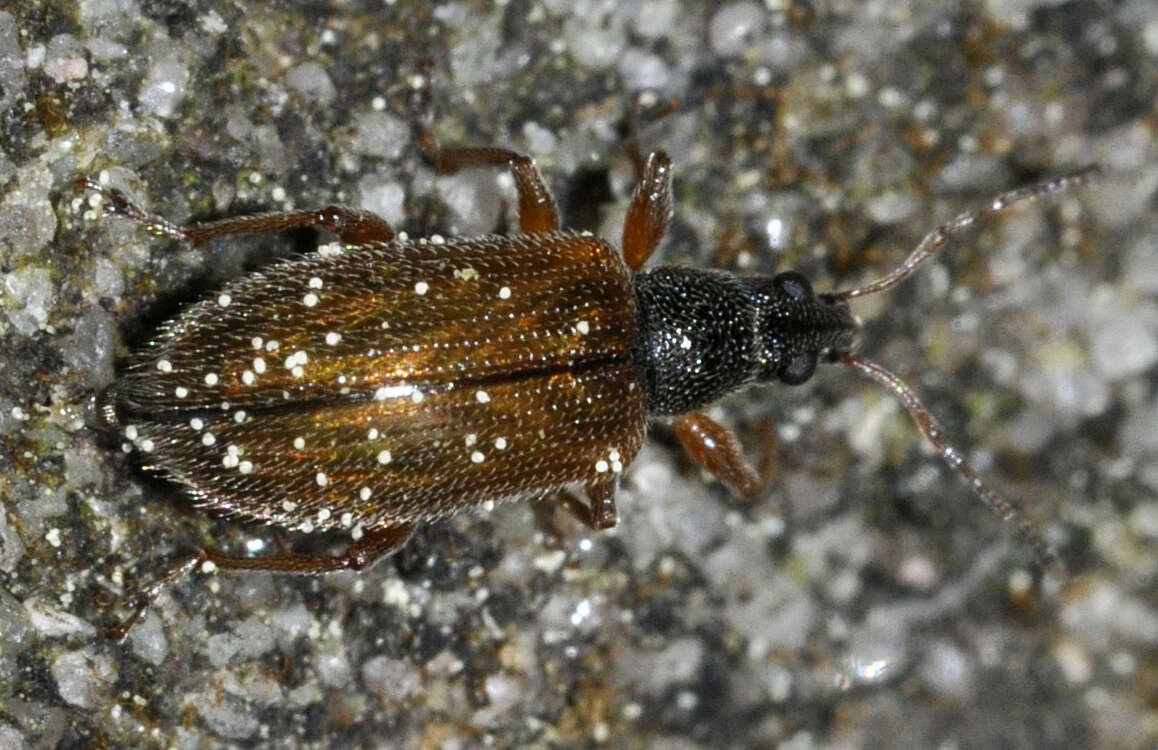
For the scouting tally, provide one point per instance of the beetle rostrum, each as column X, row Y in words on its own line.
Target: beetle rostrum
column 396, row 381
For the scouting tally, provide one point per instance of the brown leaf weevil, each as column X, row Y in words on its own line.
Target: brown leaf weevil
column 401, row 381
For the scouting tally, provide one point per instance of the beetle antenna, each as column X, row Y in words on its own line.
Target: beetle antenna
column 938, row 237
column 933, row 432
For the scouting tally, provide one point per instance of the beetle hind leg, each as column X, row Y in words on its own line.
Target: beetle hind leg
column 375, row 544
column 353, row 226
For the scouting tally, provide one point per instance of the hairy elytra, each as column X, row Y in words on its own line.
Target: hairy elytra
column 395, row 381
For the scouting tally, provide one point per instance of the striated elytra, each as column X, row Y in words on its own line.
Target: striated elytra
column 400, row 381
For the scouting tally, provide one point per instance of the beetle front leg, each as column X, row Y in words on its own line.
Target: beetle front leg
column 715, row 448
column 649, row 212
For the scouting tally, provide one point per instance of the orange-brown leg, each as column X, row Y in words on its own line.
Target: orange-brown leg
column 715, row 448
column 537, row 213
column 374, row 545
column 599, row 511
column 353, row 226
column 649, row 212
column 601, row 496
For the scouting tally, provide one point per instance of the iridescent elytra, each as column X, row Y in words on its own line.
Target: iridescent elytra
column 398, row 381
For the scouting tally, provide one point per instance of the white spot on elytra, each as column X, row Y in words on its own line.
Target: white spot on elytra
column 196, row 423
column 272, row 346
column 505, row 293
column 417, row 396
column 421, row 288
column 210, row 378
column 131, row 432
column 208, row 439
column 147, row 445
column 356, row 532
column 315, row 283
column 297, row 372
column 248, row 377
column 181, row 391
column 245, row 467
column 164, row 365
column 477, row 457
column 223, row 300
column 471, row 439
column 256, row 342
column 296, row 360
column 482, row 396
column 333, row 337
column 321, row 479
column 310, row 299
column 583, row 327
column 324, row 515
column 384, row 457
column 300, row 443
column 348, row 518
column 289, row 506
column 364, row 493
column 501, row 443
column 258, row 365
column 685, row 343
column 601, row 467
column 373, row 433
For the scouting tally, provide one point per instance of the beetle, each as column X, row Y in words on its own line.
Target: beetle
column 400, row 381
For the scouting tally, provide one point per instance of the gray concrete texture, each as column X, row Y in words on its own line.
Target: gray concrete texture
column 865, row 600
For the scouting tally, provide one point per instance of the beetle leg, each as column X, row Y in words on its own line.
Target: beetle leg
column 353, row 226
column 375, row 544
column 715, row 448
column 537, row 213
column 649, row 212
column 599, row 511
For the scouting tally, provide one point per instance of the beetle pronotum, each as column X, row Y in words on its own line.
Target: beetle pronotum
column 403, row 380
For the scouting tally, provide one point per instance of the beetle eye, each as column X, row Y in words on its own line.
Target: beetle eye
column 799, row 369
column 793, row 285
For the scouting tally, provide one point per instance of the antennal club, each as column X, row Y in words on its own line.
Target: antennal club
column 938, row 237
